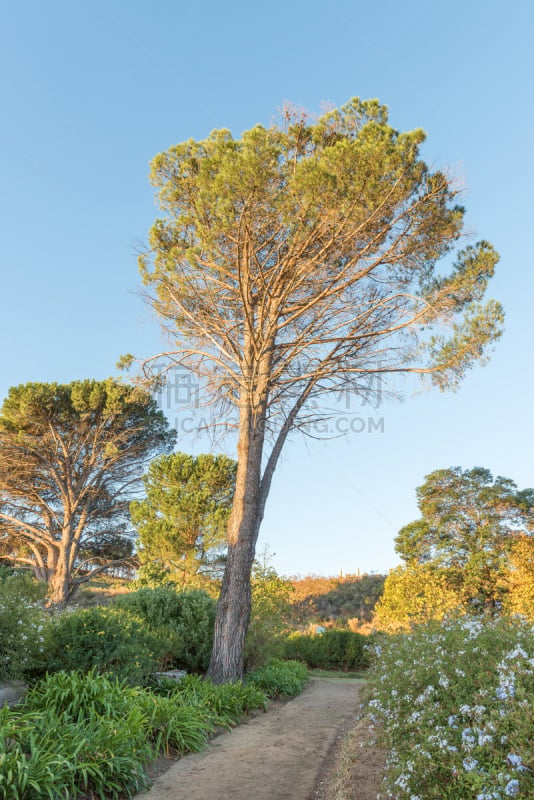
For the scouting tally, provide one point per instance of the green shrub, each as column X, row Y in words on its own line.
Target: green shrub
column 22, row 623
column 228, row 701
column 88, row 735
column 334, row 649
column 27, row 770
column 232, row 700
column 107, row 639
column 279, row 678
column 81, row 722
column 189, row 614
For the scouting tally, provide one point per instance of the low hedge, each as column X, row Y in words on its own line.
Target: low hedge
column 334, row 649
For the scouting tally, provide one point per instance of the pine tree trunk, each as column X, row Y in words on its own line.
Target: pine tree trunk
column 233, row 607
column 233, row 615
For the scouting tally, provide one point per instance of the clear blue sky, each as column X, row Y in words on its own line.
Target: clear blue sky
column 92, row 91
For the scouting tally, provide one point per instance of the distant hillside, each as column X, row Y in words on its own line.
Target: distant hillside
column 340, row 601
column 336, row 599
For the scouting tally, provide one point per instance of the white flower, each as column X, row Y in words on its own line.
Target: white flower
column 512, row 788
column 468, row 740
column 505, row 690
column 469, row 764
column 517, row 653
column 402, row 782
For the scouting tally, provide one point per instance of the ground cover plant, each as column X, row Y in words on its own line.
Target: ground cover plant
column 455, row 707
column 78, row 735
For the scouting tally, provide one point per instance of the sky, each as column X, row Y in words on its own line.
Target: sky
column 91, row 92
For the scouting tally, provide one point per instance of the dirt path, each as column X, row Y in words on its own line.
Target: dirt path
column 279, row 755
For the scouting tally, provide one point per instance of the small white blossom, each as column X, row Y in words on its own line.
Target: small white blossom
column 469, row 764
column 512, row 788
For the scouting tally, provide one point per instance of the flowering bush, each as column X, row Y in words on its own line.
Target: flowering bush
column 455, row 707
column 22, row 621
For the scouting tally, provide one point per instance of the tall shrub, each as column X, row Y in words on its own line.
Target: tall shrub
column 189, row 614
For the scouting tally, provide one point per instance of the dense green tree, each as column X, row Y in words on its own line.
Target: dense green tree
column 415, row 594
column 468, row 525
column 296, row 262
column 71, row 456
column 520, row 597
column 183, row 520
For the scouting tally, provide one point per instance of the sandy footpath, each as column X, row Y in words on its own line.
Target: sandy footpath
column 278, row 755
